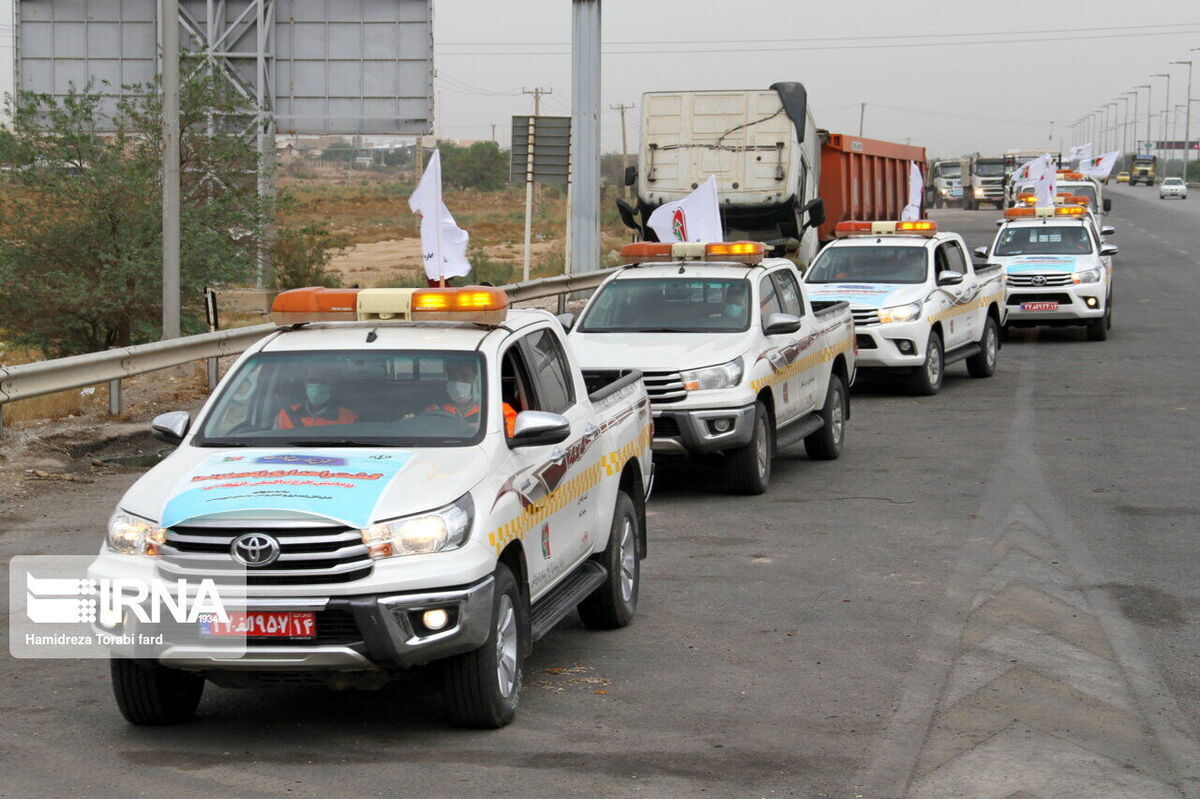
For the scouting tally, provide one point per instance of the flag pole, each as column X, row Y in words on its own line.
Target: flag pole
column 438, row 210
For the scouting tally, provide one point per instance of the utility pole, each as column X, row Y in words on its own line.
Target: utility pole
column 493, row 133
column 622, row 108
column 862, row 112
column 1162, row 120
column 1187, row 125
column 537, row 93
column 584, row 189
column 169, row 23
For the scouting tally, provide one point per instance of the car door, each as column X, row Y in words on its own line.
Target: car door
column 949, row 258
column 969, row 291
column 795, row 371
column 566, row 529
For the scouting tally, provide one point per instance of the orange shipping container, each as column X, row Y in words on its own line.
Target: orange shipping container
column 864, row 179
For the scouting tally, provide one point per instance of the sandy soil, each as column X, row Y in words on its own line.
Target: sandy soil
column 379, row 263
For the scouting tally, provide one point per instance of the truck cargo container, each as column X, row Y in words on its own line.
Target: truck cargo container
column 864, row 179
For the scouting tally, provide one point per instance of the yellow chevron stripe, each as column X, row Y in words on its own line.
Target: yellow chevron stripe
column 974, row 305
column 803, row 364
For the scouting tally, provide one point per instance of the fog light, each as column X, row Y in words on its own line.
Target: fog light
column 435, row 619
column 1092, row 302
column 905, row 346
column 722, row 425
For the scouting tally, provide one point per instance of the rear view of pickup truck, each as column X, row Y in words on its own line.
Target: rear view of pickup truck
column 738, row 363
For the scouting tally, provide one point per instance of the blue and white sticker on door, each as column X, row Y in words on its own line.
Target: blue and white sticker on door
column 343, row 487
column 873, row 295
column 1041, row 263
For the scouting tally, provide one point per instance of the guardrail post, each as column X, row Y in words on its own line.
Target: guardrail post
column 114, row 397
column 213, row 377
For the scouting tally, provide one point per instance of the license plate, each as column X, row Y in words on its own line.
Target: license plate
column 1039, row 306
column 263, row 624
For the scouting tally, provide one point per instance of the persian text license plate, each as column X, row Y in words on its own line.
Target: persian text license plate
column 263, row 623
column 1039, row 306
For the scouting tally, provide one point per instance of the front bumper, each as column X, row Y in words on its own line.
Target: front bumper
column 897, row 345
column 378, row 632
column 691, row 432
column 1080, row 303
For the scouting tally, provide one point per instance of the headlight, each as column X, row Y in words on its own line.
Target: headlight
column 133, row 535
column 1088, row 276
column 726, row 375
column 900, row 313
column 435, row 531
column 979, row 191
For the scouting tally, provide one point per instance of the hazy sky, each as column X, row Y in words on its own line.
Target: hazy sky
column 960, row 81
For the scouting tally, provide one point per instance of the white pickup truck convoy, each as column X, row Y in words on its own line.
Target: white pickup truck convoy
column 403, row 476
column 1057, row 268
column 737, row 361
column 918, row 303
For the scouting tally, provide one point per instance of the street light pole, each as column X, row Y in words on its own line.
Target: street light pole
column 1124, row 127
column 1187, row 124
column 1113, row 128
column 1162, row 126
column 1149, row 97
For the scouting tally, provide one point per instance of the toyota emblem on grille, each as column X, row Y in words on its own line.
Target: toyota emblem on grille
column 1038, row 280
column 254, row 549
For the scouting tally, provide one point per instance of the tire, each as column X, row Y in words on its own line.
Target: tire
column 152, row 695
column 483, row 687
column 612, row 605
column 826, row 443
column 927, row 379
column 748, row 468
column 1097, row 329
column 984, row 364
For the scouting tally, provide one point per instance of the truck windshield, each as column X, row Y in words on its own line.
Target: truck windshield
column 989, row 170
column 670, row 305
column 948, row 171
column 1043, row 241
column 869, row 265
column 335, row 398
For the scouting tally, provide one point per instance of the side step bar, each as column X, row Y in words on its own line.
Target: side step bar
column 798, row 430
column 562, row 599
column 961, row 354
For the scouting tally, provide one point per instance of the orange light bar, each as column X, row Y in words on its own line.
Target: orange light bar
column 924, row 227
column 482, row 304
column 1062, row 173
column 643, row 251
column 917, row 226
column 746, row 252
column 842, row 229
column 1012, row 213
column 314, row 304
column 1070, row 210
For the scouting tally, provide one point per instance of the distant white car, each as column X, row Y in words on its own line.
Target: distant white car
column 1172, row 187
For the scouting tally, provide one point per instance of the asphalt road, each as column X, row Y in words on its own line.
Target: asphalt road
column 991, row 594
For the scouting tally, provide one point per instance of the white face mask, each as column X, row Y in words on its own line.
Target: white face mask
column 460, row 392
column 318, row 394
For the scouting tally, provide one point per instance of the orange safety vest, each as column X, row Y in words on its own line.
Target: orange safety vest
column 510, row 415
column 285, row 419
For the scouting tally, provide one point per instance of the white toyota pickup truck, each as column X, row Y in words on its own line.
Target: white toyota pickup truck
column 918, row 303
column 431, row 481
column 737, row 361
column 1057, row 269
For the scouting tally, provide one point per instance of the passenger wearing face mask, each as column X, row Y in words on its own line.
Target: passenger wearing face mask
column 317, row 408
column 461, row 398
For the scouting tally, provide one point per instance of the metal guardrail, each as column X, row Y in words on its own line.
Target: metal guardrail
column 60, row 374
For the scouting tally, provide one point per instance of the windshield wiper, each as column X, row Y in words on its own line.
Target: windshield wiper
column 329, row 442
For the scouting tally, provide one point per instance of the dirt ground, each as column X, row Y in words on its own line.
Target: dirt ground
column 380, row 263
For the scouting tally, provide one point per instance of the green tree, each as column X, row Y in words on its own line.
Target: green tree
column 482, row 165
column 81, row 213
column 340, row 150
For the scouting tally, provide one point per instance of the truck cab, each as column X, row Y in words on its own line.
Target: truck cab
column 983, row 181
column 737, row 361
column 396, row 477
column 1143, row 170
column 945, row 188
column 1058, row 270
column 917, row 301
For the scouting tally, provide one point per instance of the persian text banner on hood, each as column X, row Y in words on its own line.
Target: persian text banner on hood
column 338, row 485
column 1041, row 263
column 874, row 295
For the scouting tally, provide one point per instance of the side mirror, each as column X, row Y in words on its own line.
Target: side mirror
column 629, row 216
column 538, row 428
column 171, row 427
column 999, row 223
column 1109, row 249
column 1107, row 230
column 781, row 323
column 566, row 320
column 815, row 210
column 1107, row 205
column 948, row 278
column 980, row 252
column 630, row 175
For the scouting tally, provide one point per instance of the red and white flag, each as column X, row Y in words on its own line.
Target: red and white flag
column 1080, row 152
column 1101, row 166
column 443, row 242
column 697, row 217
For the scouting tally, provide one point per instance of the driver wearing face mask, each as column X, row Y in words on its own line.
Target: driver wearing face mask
column 462, row 398
column 317, row 408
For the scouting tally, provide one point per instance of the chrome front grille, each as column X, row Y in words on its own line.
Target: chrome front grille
column 1038, row 281
column 865, row 316
column 664, row 386
column 326, row 554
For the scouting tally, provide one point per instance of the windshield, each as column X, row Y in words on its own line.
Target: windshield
column 994, row 169
column 670, row 305
column 1043, row 241
column 869, row 265
column 954, row 171
column 1173, row 182
column 390, row 398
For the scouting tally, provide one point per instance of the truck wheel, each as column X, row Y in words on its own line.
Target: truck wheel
column 153, row 695
column 612, row 604
column 927, row 379
column 826, row 443
column 1097, row 329
column 984, row 364
column 748, row 469
column 483, row 687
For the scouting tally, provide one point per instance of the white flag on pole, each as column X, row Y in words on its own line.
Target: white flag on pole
column 443, row 242
column 1101, row 166
column 1080, row 152
column 697, row 217
column 916, row 190
column 1045, row 182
